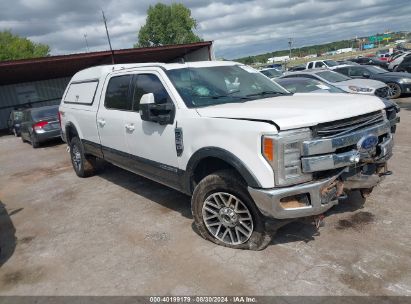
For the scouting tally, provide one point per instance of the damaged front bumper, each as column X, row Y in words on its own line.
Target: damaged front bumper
column 316, row 197
column 311, row 198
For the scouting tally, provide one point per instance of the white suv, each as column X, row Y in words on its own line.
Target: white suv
column 250, row 154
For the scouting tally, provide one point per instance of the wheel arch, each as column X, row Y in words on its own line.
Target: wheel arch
column 211, row 159
column 70, row 132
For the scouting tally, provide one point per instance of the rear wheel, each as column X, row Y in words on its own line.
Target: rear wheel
column 225, row 214
column 83, row 165
column 394, row 90
column 34, row 141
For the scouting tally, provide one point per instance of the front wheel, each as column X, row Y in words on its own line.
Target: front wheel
column 83, row 165
column 225, row 214
column 394, row 90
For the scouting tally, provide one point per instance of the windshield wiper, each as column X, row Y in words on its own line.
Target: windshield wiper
column 263, row 93
column 223, row 96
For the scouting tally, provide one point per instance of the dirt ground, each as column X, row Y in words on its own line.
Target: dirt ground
column 120, row 234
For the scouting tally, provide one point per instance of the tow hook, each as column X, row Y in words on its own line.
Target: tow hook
column 319, row 221
column 386, row 173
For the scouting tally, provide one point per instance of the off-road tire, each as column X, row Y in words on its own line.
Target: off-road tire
column 86, row 165
column 227, row 181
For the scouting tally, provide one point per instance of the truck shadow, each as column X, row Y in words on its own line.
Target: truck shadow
column 153, row 191
column 174, row 200
column 7, row 234
column 306, row 230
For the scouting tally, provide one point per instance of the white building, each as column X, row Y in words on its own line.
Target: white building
column 346, row 50
column 311, row 56
column 278, row 59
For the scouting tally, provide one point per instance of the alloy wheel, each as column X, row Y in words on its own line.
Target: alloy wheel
column 76, row 157
column 227, row 218
column 394, row 90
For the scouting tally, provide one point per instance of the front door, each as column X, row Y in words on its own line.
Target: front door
column 152, row 145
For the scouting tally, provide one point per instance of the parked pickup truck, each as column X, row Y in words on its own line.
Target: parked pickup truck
column 323, row 64
column 252, row 155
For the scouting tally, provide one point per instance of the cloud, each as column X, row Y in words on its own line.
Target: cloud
column 238, row 28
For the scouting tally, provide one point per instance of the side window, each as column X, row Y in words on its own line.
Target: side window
column 310, row 65
column 117, row 93
column 356, row 72
column 319, row 64
column 407, row 59
column 343, row 71
column 149, row 83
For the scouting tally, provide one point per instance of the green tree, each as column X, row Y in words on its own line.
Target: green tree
column 14, row 47
column 167, row 24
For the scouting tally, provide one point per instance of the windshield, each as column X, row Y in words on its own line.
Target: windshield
column 207, row 86
column 332, row 76
column 271, row 73
column 331, row 63
column 307, row 85
column 41, row 113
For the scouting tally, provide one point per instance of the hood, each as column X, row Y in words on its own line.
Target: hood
column 297, row 111
column 363, row 83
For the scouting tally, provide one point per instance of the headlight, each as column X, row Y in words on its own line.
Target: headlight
column 358, row 89
column 405, row 80
column 283, row 152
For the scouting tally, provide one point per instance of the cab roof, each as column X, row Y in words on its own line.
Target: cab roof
column 102, row 71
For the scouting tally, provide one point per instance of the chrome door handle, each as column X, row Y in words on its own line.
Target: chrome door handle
column 101, row 122
column 129, row 127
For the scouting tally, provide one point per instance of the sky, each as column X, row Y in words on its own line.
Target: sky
column 238, row 28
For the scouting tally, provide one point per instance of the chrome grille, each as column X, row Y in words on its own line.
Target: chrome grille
column 381, row 92
column 344, row 126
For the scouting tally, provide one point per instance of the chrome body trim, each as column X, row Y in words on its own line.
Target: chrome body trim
column 333, row 161
column 329, row 145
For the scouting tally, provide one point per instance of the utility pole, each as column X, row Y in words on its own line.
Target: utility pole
column 85, row 38
column 108, row 38
column 290, row 43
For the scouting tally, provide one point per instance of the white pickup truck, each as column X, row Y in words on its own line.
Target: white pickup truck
column 323, row 64
column 249, row 153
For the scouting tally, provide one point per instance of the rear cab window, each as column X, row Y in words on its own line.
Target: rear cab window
column 81, row 92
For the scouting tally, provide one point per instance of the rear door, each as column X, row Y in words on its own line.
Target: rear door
column 111, row 118
column 356, row 72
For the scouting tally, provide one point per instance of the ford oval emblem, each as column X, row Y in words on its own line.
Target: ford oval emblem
column 367, row 143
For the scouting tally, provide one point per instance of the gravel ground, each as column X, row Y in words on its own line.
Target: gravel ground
column 120, row 234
